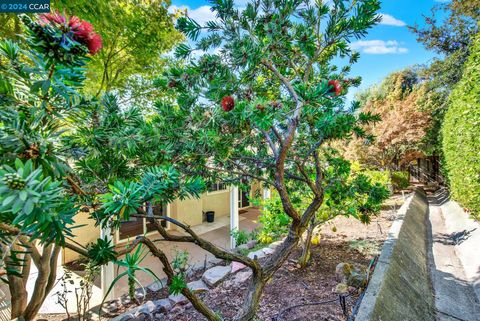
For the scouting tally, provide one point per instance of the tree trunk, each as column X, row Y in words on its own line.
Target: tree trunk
column 47, row 272
column 307, row 244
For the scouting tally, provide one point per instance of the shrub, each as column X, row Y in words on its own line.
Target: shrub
column 461, row 140
column 400, row 180
column 381, row 177
column 240, row 236
column 274, row 220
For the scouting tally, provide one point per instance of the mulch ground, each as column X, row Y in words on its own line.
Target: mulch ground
column 343, row 240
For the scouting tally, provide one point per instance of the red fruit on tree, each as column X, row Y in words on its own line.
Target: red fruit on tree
column 336, row 87
column 228, row 103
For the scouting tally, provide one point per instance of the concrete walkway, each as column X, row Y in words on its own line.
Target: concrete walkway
column 455, row 265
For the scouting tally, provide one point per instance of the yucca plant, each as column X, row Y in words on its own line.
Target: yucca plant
column 131, row 264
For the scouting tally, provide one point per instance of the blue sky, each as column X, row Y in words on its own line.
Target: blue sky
column 388, row 47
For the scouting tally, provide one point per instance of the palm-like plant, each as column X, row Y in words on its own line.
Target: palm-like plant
column 131, row 263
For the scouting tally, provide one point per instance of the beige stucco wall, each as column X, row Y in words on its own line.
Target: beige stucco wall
column 219, row 202
column 85, row 234
column 189, row 211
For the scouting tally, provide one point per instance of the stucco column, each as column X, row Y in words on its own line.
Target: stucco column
column 233, row 213
column 266, row 193
column 108, row 270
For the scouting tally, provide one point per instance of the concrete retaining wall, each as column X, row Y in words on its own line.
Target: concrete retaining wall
column 400, row 288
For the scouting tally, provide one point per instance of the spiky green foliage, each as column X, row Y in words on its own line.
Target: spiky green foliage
column 461, row 142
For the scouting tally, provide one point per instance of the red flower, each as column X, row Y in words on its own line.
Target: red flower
column 94, row 43
column 55, row 17
column 228, row 103
column 82, row 30
column 336, row 87
column 74, row 22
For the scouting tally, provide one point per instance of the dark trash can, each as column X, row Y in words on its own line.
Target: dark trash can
column 210, row 216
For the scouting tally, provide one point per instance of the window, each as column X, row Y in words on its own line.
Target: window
column 217, row 187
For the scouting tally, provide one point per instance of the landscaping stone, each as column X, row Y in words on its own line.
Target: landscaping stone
column 251, row 244
column 197, row 286
column 215, row 275
column 127, row 317
column 259, row 254
column 178, row 299
column 242, row 277
column 215, row 261
column 237, row 266
column 143, row 317
column 357, row 279
column 163, row 305
column 274, row 245
column 242, row 247
column 341, row 288
column 147, row 308
column 157, row 285
column 267, row 250
column 177, row 310
column 343, row 271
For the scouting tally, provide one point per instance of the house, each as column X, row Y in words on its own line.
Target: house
column 225, row 201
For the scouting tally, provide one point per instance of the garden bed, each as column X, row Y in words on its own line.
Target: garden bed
column 343, row 240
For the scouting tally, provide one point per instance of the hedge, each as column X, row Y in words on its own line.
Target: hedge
column 461, row 135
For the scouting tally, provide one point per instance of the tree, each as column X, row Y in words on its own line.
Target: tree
column 135, row 34
column 260, row 104
column 461, row 142
column 264, row 106
column 37, row 97
column 448, row 32
column 404, row 124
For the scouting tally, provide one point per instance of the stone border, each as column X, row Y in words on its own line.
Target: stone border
column 214, row 274
column 400, row 287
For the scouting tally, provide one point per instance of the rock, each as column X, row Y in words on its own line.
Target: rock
column 214, row 261
column 357, row 279
column 215, row 275
column 127, row 317
column 139, row 294
column 163, row 305
column 177, row 310
column 341, row 288
column 159, row 317
column 143, row 317
column 258, row 254
column 267, row 250
column 251, row 244
column 242, row 247
column 157, row 285
column 274, row 245
column 343, row 271
column 178, row 299
column 197, row 286
column 112, row 307
column 237, row 266
column 147, row 308
column 242, row 277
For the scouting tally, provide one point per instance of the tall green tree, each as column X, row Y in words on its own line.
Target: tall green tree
column 135, row 34
column 260, row 103
column 448, row 31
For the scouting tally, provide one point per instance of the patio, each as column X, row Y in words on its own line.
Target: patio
column 217, row 232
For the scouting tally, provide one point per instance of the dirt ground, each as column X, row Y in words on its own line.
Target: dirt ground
column 342, row 240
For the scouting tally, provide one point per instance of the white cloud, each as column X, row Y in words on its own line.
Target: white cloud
column 201, row 14
column 391, row 20
column 378, row 47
